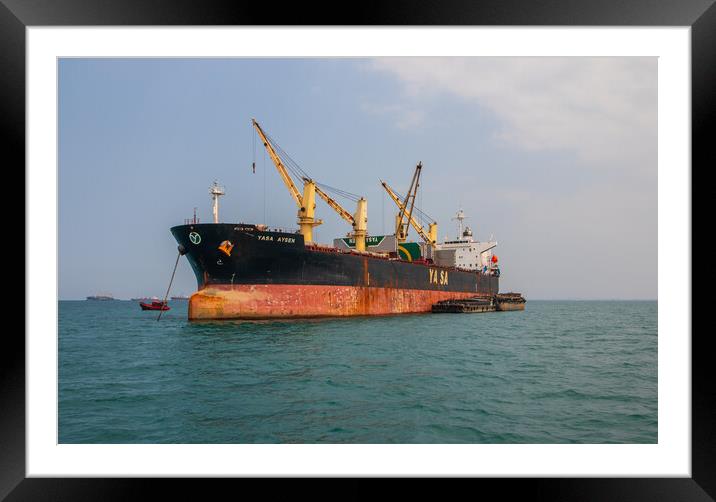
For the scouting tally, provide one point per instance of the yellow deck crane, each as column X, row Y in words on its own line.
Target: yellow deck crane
column 359, row 220
column 406, row 213
column 431, row 236
column 306, row 203
column 402, row 220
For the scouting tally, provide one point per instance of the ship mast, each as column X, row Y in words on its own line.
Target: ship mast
column 460, row 216
column 216, row 191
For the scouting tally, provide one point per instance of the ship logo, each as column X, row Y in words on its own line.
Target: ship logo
column 404, row 253
column 194, row 238
column 226, row 247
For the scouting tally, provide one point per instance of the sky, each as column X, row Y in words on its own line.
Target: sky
column 556, row 158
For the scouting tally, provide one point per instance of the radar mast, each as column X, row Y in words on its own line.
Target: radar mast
column 216, row 191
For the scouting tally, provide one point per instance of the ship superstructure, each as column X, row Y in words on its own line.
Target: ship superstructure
column 464, row 252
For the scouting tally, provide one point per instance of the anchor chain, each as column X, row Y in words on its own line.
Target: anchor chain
column 182, row 251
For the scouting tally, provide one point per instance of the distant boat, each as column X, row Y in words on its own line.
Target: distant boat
column 142, row 299
column 155, row 305
column 101, row 297
column 180, row 297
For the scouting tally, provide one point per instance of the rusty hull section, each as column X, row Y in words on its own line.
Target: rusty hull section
column 270, row 301
column 506, row 306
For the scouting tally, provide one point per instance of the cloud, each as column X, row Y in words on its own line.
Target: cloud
column 581, row 246
column 405, row 117
column 602, row 109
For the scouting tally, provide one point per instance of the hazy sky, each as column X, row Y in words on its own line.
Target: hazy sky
column 555, row 157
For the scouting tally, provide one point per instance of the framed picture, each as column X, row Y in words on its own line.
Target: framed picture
column 64, row 54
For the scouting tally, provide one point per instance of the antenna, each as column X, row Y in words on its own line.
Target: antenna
column 191, row 221
column 460, row 216
column 216, row 191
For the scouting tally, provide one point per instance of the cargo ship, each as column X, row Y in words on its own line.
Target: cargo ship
column 101, row 297
column 248, row 271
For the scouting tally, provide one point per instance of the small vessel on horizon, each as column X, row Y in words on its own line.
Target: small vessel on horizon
column 101, row 297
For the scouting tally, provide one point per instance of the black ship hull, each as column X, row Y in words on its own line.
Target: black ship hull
column 244, row 272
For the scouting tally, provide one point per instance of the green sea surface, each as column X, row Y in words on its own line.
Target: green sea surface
column 558, row 372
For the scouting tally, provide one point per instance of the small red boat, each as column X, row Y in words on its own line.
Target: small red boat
column 155, row 305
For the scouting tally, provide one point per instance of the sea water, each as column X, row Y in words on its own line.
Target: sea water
column 558, row 372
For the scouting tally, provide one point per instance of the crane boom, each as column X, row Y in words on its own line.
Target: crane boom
column 431, row 237
column 401, row 227
column 279, row 165
column 307, row 202
column 334, row 205
column 359, row 220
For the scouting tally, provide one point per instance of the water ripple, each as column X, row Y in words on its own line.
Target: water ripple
column 559, row 372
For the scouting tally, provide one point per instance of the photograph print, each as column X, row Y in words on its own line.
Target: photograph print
column 411, row 250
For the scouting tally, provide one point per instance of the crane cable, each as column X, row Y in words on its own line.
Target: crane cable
column 338, row 191
column 300, row 173
column 253, row 141
column 422, row 216
column 290, row 164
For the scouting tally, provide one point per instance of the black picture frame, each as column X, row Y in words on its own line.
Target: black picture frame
column 700, row 15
